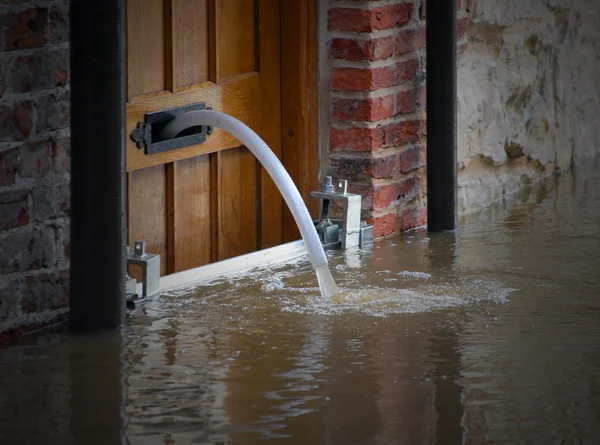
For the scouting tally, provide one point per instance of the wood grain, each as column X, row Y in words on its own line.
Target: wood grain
column 147, row 211
column 271, row 223
column 145, row 47
column 190, row 42
column 237, row 203
column 237, row 37
column 299, row 103
column 192, row 213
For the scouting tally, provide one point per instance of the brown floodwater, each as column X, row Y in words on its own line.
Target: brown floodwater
column 487, row 335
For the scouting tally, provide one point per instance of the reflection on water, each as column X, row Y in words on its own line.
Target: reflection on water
column 487, row 335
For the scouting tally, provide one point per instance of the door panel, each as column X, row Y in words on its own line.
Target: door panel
column 211, row 201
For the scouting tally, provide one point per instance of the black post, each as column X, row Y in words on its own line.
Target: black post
column 97, row 296
column 441, row 115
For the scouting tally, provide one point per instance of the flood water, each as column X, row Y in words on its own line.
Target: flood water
column 488, row 335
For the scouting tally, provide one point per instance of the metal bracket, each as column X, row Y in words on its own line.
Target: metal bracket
column 350, row 226
column 150, row 264
column 146, row 134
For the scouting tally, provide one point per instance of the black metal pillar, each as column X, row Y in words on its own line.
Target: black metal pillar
column 97, row 296
column 441, row 115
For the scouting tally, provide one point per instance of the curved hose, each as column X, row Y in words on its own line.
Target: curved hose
column 267, row 158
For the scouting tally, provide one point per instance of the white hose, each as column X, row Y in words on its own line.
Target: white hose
column 267, row 158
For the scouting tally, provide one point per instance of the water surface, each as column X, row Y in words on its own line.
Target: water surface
column 487, row 335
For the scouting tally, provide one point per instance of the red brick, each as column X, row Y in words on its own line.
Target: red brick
column 399, row 134
column 409, row 40
column 369, row 109
column 362, row 79
column 469, row 3
column 28, row 250
column 61, row 154
column 405, row 71
column 26, row 29
column 412, row 158
column 384, row 196
column 357, row 50
column 367, row 20
column 356, row 139
column 396, row 193
column 408, row 189
column 382, row 225
column 413, row 216
column 9, row 164
column 16, row 121
column 410, row 101
column 365, row 191
column 40, row 71
column 53, row 111
column 36, row 159
column 356, row 167
column 58, row 27
column 46, row 292
column 14, row 209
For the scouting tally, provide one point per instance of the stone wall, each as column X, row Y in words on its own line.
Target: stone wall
column 528, row 94
column 373, row 102
column 34, row 161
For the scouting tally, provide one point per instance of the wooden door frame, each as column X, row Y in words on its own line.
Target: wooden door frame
column 102, row 307
column 300, row 100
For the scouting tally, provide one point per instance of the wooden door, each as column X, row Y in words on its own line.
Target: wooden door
column 212, row 201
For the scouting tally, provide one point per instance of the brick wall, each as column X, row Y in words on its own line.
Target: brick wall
column 34, row 162
column 376, row 51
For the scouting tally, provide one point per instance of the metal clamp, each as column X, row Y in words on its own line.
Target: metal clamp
column 350, row 227
column 150, row 264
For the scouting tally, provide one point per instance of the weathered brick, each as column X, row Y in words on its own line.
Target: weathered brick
column 14, row 209
column 356, row 50
column 16, row 121
column 405, row 71
column 368, row 109
column 409, row 101
column 362, row 167
column 26, row 29
column 36, row 159
column 367, row 20
column 408, row 189
column 58, row 28
column 412, row 158
column 9, row 299
column 396, row 193
column 61, row 152
column 31, row 250
column 413, row 216
column 45, row 292
column 384, row 196
column 53, row 112
column 51, row 202
column 399, row 134
column 40, row 71
column 356, row 139
column 382, row 225
column 362, row 79
column 9, row 163
column 66, row 240
column 409, row 40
